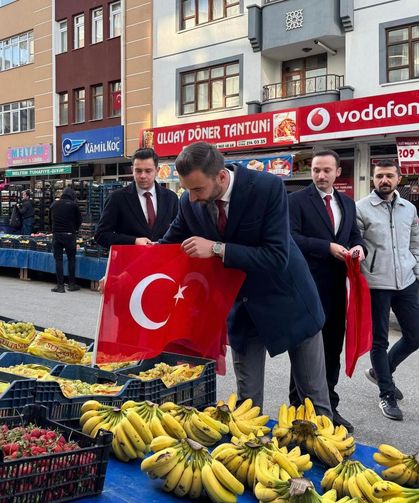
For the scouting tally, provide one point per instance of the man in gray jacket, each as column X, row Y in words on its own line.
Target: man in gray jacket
column 389, row 225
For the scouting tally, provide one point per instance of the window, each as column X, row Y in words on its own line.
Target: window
column 62, row 36
column 79, row 31
column 79, row 105
column 97, row 25
column 17, row 117
column 304, row 76
column 63, row 109
column 211, row 88
column 115, row 19
column 16, row 51
column 97, row 102
column 195, row 12
column 115, row 99
column 6, row 2
column 402, row 53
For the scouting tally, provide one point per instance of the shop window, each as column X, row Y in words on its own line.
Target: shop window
column 79, row 105
column 304, row 76
column 97, row 102
column 97, row 25
column 197, row 12
column 16, row 51
column 63, row 109
column 115, row 19
column 79, row 31
column 62, row 36
column 402, row 52
column 17, row 117
column 210, row 88
column 115, row 99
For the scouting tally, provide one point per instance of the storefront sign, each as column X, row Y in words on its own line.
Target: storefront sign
column 271, row 129
column 382, row 114
column 93, row 144
column 408, row 153
column 345, row 185
column 35, row 154
column 58, row 169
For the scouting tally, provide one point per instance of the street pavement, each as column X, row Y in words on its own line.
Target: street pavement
column 76, row 312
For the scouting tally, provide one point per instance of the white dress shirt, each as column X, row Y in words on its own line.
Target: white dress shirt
column 143, row 200
column 227, row 196
column 336, row 209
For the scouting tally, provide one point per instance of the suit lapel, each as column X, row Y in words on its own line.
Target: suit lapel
column 161, row 197
column 242, row 187
column 135, row 205
column 342, row 210
column 317, row 202
column 206, row 221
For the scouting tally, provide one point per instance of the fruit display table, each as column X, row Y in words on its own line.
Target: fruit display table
column 86, row 267
column 125, row 483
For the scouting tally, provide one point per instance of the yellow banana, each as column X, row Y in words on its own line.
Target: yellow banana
column 126, row 444
column 386, row 489
column 353, row 488
column 210, row 432
column 156, row 427
column 226, row 478
column 232, row 401
column 91, row 423
column 90, row 405
column 129, row 404
column 398, row 473
column 241, row 473
column 159, row 459
column 118, row 452
column 300, row 413
column 185, row 482
column 251, row 414
column 282, row 460
column 283, row 416
column 291, row 414
column 140, row 426
column 310, row 413
column 366, row 488
column 243, row 407
column 391, row 452
column 133, row 436
column 173, row 477
column 215, row 490
column 326, row 451
column 213, row 423
column 168, row 407
column 172, row 426
column 383, row 460
column 257, row 421
column 196, row 487
column 234, row 464
column 265, row 494
column 251, row 474
column 162, row 442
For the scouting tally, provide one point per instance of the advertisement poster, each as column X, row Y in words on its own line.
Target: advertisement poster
column 408, row 154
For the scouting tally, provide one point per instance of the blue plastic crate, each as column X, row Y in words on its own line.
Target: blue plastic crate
column 21, row 392
column 8, row 359
column 200, row 392
column 68, row 409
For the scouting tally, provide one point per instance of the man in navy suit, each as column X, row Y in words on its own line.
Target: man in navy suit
column 144, row 208
column 323, row 224
column 241, row 217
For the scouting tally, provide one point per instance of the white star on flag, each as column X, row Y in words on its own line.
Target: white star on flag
column 179, row 294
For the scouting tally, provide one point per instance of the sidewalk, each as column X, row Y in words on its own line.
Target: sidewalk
column 76, row 312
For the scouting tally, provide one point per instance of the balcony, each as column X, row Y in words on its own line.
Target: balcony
column 303, row 87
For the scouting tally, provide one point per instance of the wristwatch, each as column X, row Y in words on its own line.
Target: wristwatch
column 217, row 249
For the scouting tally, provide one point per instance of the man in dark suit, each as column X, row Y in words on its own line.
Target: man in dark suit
column 241, row 217
column 144, row 208
column 323, row 224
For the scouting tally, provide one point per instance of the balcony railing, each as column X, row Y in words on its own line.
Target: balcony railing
column 302, row 87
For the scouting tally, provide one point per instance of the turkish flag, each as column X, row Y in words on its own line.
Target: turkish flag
column 358, row 314
column 116, row 100
column 158, row 298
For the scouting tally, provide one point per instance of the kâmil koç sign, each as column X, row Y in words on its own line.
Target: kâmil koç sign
column 93, row 144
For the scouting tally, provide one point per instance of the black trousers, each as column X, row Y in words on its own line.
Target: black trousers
column 333, row 336
column 64, row 241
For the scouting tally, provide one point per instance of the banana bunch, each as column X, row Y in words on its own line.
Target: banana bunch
column 316, row 433
column 390, row 492
column 270, row 488
column 158, row 421
column 188, row 469
column 198, row 426
column 241, row 420
column 131, row 435
column 351, row 479
column 402, row 468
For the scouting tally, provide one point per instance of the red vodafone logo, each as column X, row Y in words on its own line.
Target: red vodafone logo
column 318, row 119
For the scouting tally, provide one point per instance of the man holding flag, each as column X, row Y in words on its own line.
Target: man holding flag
column 241, row 217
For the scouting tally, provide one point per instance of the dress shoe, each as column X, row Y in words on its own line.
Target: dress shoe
column 338, row 420
column 73, row 287
column 370, row 375
column 58, row 289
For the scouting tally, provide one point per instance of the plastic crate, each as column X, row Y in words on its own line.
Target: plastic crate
column 68, row 409
column 21, row 392
column 55, row 477
column 199, row 392
column 10, row 358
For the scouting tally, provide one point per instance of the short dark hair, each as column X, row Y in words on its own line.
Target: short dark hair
column 323, row 153
column 200, row 156
column 27, row 192
column 387, row 163
column 145, row 153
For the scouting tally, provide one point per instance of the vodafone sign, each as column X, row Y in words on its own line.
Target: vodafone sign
column 386, row 113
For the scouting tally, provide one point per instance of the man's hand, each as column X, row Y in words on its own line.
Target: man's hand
column 143, row 241
column 198, row 247
column 338, row 251
column 359, row 249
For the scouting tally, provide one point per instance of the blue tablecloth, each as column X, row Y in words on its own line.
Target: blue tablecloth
column 86, row 267
column 125, row 483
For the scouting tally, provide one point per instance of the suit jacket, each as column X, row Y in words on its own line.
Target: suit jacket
column 279, row 293
column 312, row 230
column 123, row 220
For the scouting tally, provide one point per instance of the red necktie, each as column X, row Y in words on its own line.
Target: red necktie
column 327, row 200
column 150, row 209
column 222, row 216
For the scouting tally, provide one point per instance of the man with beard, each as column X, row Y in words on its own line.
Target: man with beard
column 389, row 225
column 240, row 216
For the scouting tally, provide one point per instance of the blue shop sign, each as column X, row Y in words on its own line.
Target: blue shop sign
column 93, row 144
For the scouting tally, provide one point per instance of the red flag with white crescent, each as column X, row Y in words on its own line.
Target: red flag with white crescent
column 157, row 299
